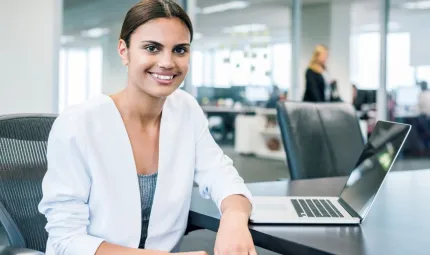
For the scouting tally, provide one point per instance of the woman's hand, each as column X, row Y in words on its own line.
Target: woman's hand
column 233, row 236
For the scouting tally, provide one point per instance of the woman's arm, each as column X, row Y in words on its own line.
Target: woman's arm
column 218, row 179
column 236, row 204
column 109, row 249
column 65, row 188
column 106, row 248
column 215, row 174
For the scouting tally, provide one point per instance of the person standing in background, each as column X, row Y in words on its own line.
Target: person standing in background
column 424, row 100
column 320, row 87
column 423, row 126
column 274, row 97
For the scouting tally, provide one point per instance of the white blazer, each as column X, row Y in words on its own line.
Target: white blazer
column 91, row 191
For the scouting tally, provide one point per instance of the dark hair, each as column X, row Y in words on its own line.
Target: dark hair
column 147, row 10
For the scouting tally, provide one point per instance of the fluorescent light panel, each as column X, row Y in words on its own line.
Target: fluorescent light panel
column 224, row 7
column 246, row 28
column 375, row 27
column 95, row 32
column 421, row 5
column 64, row 39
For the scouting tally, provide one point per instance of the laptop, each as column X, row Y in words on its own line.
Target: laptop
column 358, row 194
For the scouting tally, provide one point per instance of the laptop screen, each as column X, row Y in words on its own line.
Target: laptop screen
column 373, row 165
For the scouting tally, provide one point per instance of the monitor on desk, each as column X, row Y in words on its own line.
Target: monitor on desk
column 364, row 97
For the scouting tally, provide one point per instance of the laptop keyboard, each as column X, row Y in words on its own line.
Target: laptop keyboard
column 315, row 208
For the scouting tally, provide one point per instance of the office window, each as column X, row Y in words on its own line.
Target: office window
column 198, row 70
column 80, row 75
column 365, row 50
column 260, row 66
column 399, row 71
column 365, row 54
column 281, row 65
column 222, row 68
column 423, row 73
column 240, row 68
column 208, row 68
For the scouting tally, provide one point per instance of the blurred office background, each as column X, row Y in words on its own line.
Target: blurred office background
column 241, row 51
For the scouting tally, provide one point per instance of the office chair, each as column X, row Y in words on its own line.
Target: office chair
column 23, row 144
column 320, row 139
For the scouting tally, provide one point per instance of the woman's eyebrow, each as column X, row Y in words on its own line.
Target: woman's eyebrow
column 153, row 42
column 161, row 45
column 183, row 45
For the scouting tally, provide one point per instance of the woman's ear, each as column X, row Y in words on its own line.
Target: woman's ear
column 123, row 52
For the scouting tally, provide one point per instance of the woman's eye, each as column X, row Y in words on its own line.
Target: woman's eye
column 151, row 48
column 180, row 50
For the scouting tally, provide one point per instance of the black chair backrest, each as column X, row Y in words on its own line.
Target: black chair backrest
column 320, row 139
column 23, row 164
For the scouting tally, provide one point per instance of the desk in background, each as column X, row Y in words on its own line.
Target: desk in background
column 398, row 222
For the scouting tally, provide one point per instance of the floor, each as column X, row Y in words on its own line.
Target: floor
column 254, row 169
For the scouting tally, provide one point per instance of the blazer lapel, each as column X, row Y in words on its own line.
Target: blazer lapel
column 125, row 175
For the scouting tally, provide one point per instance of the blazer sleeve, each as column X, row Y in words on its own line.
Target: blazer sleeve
column 215, row 174
column 313, row 87
column 66, row 187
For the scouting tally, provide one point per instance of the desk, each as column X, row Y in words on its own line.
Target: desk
column 219, row 110
column 398, row 222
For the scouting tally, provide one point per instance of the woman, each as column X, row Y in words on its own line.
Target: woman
column 319, row 85
column 121, row 167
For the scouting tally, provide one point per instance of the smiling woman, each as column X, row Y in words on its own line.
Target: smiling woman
column 121, row 167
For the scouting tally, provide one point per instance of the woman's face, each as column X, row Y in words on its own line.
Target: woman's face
column 322, row 57
column 158, row 56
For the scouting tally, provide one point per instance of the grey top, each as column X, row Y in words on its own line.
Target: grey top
column 147, row 184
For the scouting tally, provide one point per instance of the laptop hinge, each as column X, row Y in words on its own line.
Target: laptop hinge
column 349, row 209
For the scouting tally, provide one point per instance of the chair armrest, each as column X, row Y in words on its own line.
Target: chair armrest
column 4, row 238
column 5, row 250
column 9, row 232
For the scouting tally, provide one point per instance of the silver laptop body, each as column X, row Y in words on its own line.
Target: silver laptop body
column 358, row 194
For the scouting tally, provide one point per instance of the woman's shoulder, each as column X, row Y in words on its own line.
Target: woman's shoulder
column 78, row 115
column 183, row 101
column 310, row 71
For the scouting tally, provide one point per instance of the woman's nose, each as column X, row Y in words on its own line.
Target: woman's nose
column 166, row 61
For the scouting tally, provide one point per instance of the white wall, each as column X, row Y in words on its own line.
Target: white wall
column 328, row 24
column 339, row 61
column 315, row 30
column 114, row 72
column 30, row 32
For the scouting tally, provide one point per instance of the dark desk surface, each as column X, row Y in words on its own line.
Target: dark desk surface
column 398, row 222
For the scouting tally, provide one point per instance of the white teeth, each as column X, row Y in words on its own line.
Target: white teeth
column 162, row 77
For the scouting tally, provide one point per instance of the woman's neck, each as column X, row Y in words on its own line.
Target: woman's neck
column 318, row 67
column 136, row 105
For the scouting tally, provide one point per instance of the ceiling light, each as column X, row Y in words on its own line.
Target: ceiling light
column 375, row 27
column 64, row 39
column 95, row 32
column 245, row 28
column 224, row 7
column 417, row 5
column 261, row 39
